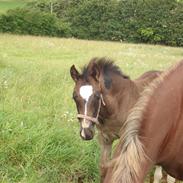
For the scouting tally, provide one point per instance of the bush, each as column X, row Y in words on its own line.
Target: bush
column 24, row 21
column 160, row 25
column 150, row 21
column 93, row 19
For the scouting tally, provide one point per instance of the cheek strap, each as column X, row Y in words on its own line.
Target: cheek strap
column 93, row 119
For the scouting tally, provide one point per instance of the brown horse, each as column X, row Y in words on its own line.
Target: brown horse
column 112, row 94
column 152, row 133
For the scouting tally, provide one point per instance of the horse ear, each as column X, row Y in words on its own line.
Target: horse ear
column 95, row 72
column 74, row 73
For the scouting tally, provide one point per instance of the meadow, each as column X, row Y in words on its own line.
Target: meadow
column 39, row 132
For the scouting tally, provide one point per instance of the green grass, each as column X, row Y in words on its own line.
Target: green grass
column 39, row 134
column 11, row 4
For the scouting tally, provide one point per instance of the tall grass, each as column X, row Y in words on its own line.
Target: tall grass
column 39, row 133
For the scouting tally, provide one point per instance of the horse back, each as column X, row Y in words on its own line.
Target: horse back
column 146, row 78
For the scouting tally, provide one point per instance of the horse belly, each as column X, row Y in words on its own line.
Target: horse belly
column 174, row 170
column 173, row 163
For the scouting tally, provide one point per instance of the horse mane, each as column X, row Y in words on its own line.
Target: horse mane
column 106, row 65
column 130, row 151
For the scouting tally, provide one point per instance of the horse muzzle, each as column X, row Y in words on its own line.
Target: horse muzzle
column 87, row 133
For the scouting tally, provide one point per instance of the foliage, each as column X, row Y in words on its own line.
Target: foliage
column 25, row 21
column 150, row 21
column 160, row 25
column 124, row 20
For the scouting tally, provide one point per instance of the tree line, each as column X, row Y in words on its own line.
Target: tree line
column 140, row 21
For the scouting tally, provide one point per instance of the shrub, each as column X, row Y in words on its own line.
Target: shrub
column 24, row 21
column 150, row 21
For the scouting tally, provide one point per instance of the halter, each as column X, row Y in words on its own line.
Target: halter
column 93, row 119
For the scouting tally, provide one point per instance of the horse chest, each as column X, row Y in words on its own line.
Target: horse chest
column 110, row 130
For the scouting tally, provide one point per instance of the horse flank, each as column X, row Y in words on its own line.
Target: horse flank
column 127, row 163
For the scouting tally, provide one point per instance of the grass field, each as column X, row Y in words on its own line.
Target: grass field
column 39, row 134
column 11, row 4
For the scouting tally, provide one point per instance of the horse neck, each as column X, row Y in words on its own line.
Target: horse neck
column 142, row 83
column 122, row 95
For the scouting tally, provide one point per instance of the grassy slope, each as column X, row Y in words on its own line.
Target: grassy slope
column 39, row 134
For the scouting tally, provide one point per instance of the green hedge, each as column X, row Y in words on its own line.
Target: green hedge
column 25, row 21
column 161, row 23
column 150, row 21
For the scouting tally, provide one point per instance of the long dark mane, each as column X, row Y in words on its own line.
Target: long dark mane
column 105, row 65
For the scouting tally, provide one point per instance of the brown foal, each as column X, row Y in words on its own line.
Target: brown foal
column 104, row 96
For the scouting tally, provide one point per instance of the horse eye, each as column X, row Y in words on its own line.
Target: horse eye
column 74, row 96
column 97, row 95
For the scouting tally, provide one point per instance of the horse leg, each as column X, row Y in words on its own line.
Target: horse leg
column 105, row 157
column 158, row 174
column 170, row 179
column 106, row 148
column 164, row 178
column 167, row 178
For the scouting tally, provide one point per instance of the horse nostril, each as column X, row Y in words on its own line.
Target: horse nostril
column 86, row 134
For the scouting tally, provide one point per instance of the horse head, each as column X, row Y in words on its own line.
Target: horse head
column 88, row 98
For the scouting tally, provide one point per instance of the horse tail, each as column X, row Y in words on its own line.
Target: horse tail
column 127, row 165
column 130, row 152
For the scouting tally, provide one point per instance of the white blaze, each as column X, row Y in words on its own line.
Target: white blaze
column 86, row 91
